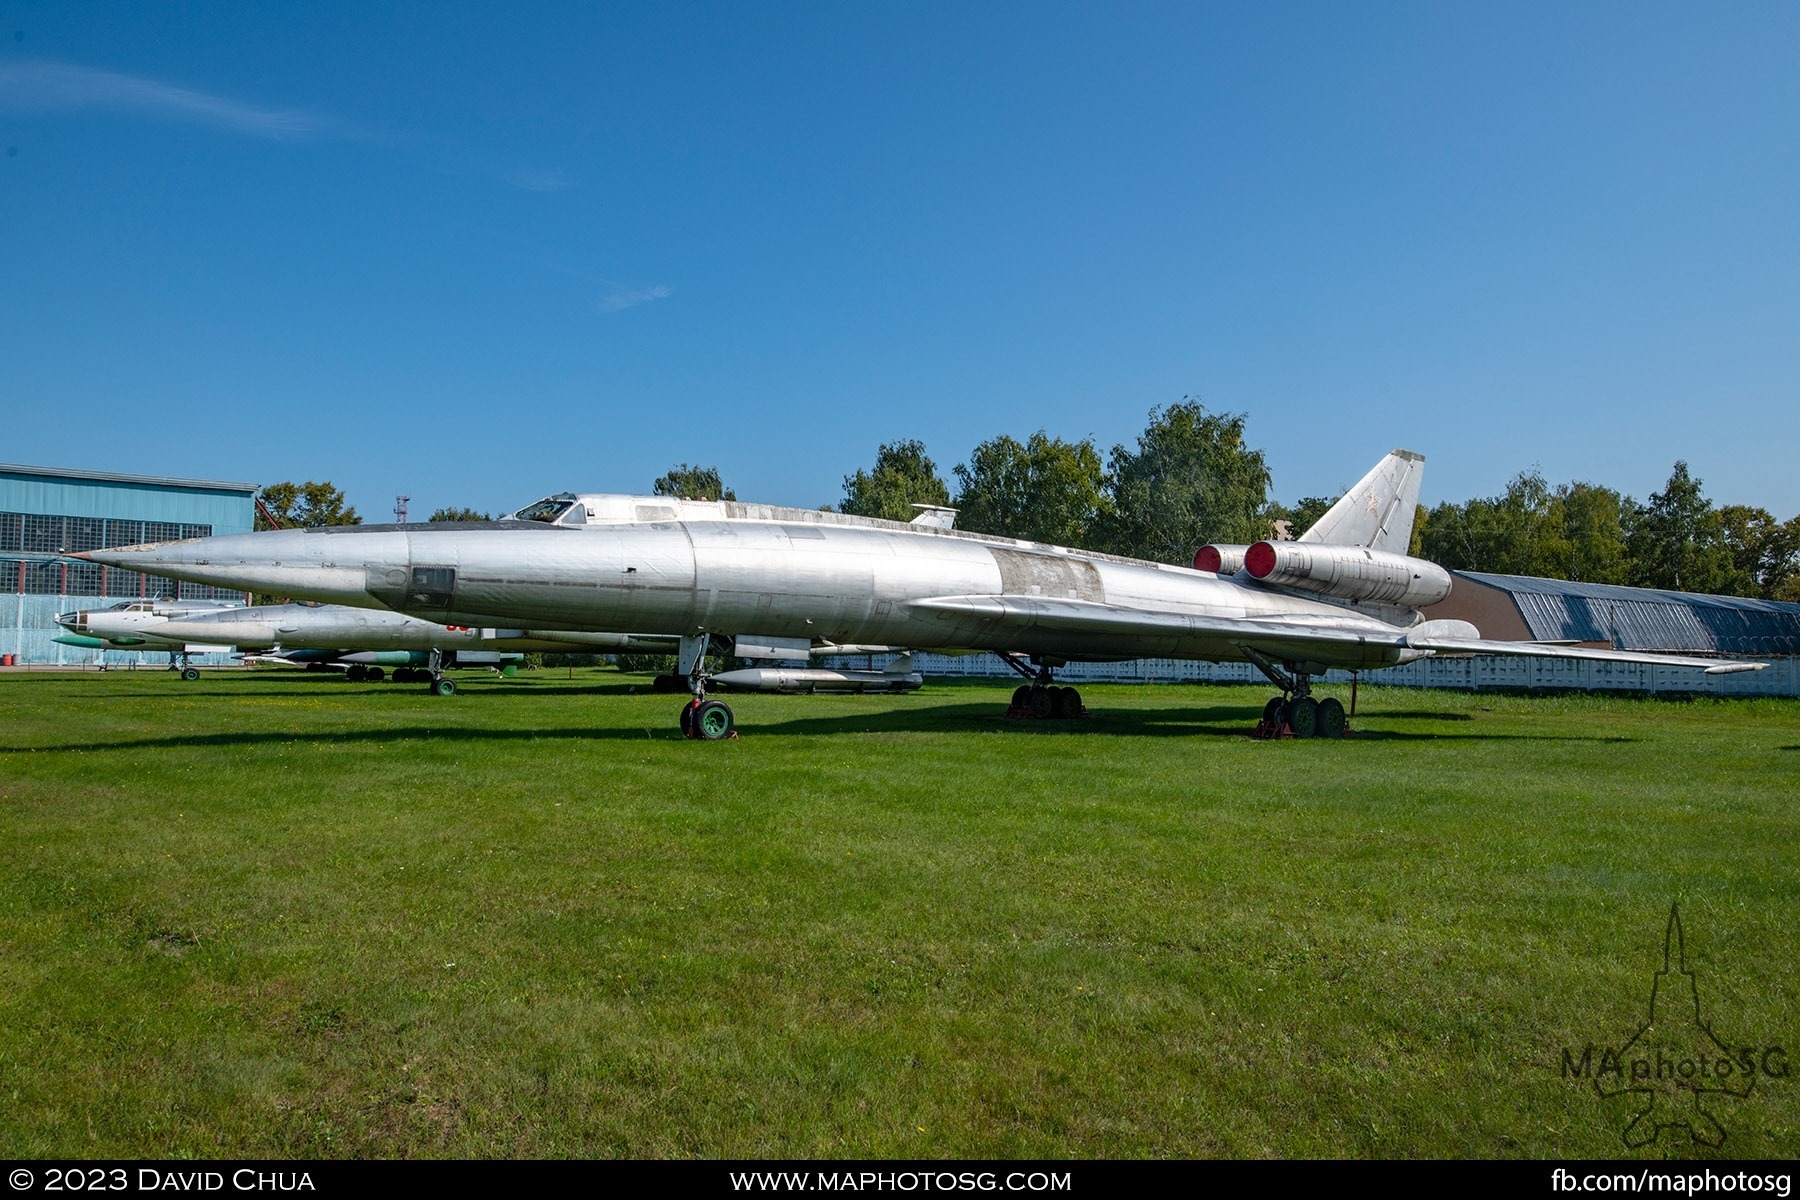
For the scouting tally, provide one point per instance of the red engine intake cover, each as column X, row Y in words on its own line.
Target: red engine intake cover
column 1259, row 560
column 1207, row 559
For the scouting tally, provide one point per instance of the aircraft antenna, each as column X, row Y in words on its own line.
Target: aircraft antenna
column 400, row 509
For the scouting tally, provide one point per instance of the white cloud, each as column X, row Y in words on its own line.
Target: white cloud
column 48, row 87
column 551, row 180
column 63, row 87
column 621, row 297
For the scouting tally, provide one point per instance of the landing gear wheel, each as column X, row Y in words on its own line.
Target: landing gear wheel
column 356, row 672
column 1022, row 696
column 1042, row 701
column 1067, row 704
column 687, row 719
column 712, row 720
column 190, row 673
column 1332, row 721
column 376, row 674
column 1303, row 716
column 443, row 687
column 1272, row 712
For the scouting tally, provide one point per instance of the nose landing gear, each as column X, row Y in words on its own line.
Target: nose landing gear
column 707, row 720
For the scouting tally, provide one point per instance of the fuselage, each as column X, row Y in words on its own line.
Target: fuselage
column 125, row 625
column 747, row 569
column 342, row 627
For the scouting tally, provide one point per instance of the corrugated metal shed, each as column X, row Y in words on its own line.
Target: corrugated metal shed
column 1647, row 618
column 45, row 511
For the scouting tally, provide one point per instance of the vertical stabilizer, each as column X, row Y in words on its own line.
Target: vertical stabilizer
column 1378, row 512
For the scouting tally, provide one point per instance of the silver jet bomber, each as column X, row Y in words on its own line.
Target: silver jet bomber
column 123, row 626
column 1344, row 595
column 371, row 639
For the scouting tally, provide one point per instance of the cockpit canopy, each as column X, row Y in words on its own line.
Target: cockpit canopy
column 560, row 509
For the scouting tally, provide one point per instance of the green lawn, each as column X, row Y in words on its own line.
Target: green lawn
column 280, row 914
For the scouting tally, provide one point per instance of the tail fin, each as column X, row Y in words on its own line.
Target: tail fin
column 1378, row 512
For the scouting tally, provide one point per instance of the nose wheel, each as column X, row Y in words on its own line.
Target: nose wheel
column 701, row 718
column 708, row 720
column 436, row 682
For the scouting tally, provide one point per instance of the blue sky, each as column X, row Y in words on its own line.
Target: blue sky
column 476, row 253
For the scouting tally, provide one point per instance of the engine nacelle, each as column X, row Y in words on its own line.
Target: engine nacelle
column 1219, row 559
column 1348, row 572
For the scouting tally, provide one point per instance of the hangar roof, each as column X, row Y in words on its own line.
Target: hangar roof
column 1649, row 618
column 115, row 477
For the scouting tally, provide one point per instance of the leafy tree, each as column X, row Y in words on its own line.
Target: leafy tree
column 1678, row 541
column 306, row 506
column 1303, row 515
column 1593, row 522
column 1191, row 481
column 903, row 476
column 693, row 483
column 1765, row 553
column 1784, row 580
column 1515, row 533
column 457, row 514
column 1046, row 490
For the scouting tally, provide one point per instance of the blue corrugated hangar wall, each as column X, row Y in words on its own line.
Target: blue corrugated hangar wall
column 47, row 510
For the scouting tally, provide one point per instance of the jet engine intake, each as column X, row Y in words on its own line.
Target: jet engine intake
column 1348, row 572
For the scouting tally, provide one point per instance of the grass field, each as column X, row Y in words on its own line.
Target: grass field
column 279, row 914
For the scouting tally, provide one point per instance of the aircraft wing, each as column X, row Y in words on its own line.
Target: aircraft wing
column 1289, row 638
column 1460, row 645
column 1283, row 638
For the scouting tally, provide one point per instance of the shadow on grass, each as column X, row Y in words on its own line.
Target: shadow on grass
column 1385, row 715
column 1212, row 722
column 464, row 687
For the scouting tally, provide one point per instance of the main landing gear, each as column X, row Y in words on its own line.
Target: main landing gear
column 1041, row 699
column 436, row 682
column 1295, row 713
column 189, row 672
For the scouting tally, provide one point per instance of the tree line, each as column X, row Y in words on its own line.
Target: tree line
column 1590, row 533
column 1191, row 478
